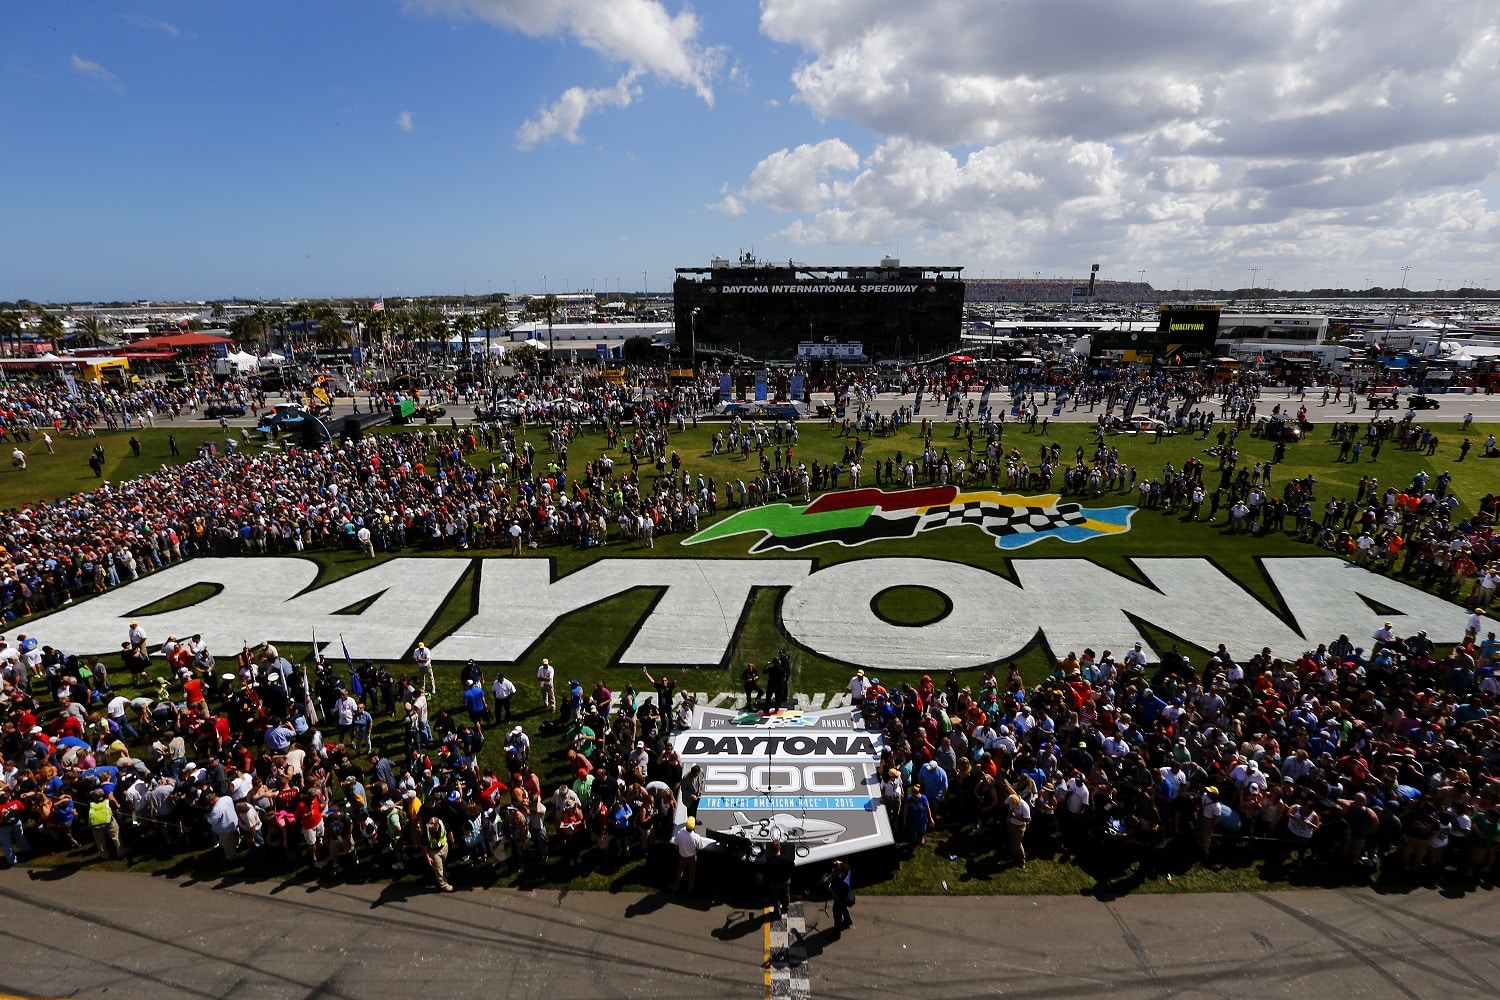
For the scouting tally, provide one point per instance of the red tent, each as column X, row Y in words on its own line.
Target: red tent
column 178, row 341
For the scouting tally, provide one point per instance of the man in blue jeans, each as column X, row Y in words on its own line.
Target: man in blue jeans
column 12, row 834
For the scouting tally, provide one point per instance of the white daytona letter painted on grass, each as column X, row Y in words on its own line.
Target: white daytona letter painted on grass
column 692, row 624
column 1083, row 605
column 1325, row 596
column 262, row 599
column 831, row 613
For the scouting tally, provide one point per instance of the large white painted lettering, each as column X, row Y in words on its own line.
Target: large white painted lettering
column 1083, row 605
column 1327, row 596
column 700, row 604
column 833, row 614
column 692, row 624
column 268, row 598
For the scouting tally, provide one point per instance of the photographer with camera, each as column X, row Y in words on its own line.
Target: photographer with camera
column 840, row 883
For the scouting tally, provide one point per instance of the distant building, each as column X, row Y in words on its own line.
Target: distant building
column 766, row 310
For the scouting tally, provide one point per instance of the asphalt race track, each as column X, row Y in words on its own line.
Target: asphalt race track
column 95, row 934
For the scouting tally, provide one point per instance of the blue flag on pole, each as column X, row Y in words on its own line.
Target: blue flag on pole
column 355, row 686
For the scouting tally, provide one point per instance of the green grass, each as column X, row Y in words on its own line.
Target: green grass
column 586, row 644
column 912, row 606
column 66, row 472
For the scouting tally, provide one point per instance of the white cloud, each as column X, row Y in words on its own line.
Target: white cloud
column 794, row 180
column 405, row 122
column 563, row 116
column 640, row 34
column 1159, row 135
column 153, row 24
column 729, row 205
column 98, row 74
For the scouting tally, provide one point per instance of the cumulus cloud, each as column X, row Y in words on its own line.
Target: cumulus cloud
column 565, row 115
column 1155, row 133
column 796, row 180
column 98, row 74
column 405, row 122
column 640, row 34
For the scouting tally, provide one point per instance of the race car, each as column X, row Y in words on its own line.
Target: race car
column 216, row 410
column 785, row 827
column 284, row 417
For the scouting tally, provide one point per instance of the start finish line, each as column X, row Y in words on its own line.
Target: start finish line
column 700, row 605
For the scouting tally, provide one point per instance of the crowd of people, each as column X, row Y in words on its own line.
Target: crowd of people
column 1346, row 756
column 1341, row 759
column 384, row 493
column 1351, row 755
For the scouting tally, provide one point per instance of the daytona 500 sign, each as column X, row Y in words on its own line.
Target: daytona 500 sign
column 808, row 779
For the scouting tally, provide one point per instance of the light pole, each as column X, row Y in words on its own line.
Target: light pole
column 693, row 328
column 1254, row 273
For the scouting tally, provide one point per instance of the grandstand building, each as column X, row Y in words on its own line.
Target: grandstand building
column 1066, row 290
column 766, row 310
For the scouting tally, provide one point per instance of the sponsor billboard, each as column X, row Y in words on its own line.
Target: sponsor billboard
column 1184, row 335
column 809, row 779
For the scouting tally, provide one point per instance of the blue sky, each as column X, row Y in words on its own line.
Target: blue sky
column 175, row 149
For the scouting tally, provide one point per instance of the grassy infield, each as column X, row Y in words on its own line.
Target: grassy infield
column 585, row 644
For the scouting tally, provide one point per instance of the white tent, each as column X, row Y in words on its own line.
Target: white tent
column 243, row 360
column 272, row 359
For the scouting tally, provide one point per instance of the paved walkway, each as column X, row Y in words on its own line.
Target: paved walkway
column 96, row 933
column 1452, row 407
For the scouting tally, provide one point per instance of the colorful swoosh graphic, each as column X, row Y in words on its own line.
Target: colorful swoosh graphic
column 854, row 517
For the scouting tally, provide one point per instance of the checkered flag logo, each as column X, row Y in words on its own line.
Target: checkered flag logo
column 855, row 517
column 1002, row 522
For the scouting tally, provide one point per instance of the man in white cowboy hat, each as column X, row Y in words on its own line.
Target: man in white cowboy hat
column 545, row 678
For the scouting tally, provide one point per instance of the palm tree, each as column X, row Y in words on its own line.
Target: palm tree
column 331, row 329
column 423, row 322
column 464, row 324
column 246, row 329
column 492, row 319
column 273, row 319
column 91, row 330
column 548, row 306
column 377, row 326
column 303, row 313
column 356, row 315
column 10, row 328
column 50, row 327
column 217, row 311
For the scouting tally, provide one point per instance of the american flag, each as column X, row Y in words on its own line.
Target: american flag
column 378, row 306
